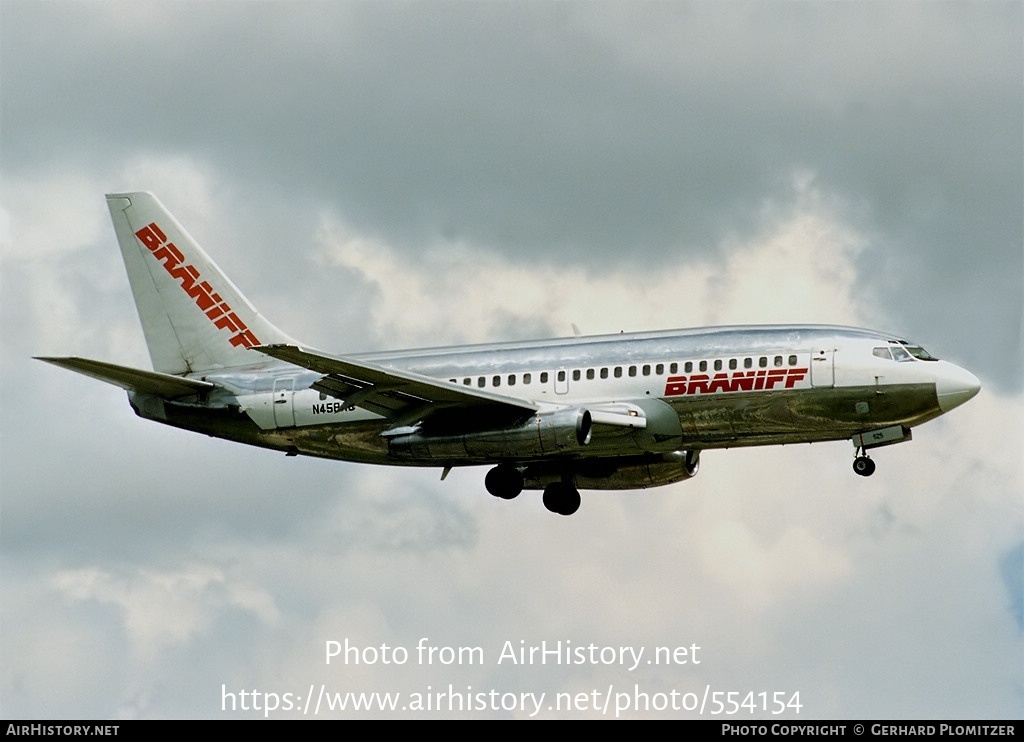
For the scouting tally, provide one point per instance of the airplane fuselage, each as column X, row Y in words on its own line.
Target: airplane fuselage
column 727, row 386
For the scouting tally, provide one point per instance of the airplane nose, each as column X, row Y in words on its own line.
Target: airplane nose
column 954, row 386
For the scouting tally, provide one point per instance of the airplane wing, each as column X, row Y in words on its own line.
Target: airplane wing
column 401, row 396
column 133, row 379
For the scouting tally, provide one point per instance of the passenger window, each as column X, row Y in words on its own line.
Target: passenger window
column 496, row 381
column 673, row 368
column 481, row 382
column 511, row 379
column 718, row 365
column 646, row 370
column 604, row 373
column 792, row 360
column 732, row 364
column 659, row 369
column 561, row 375
column 762, row 362
column 618, row 372
column 632, row 370
column 703, row 366
column 543, row 377
column 467, row 381
column 688, row 367
column 576, row 374
column 527, row 378
column 748, row 363
column 778, row 361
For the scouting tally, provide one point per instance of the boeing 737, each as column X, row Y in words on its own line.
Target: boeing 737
column 625, row 411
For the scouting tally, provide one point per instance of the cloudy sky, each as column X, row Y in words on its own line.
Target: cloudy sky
column 384, row 175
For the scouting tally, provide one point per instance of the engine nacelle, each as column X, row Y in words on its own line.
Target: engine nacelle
column 545, row 434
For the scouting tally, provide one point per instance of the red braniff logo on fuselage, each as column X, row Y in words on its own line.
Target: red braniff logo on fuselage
column 738, row 381
column 208, row 300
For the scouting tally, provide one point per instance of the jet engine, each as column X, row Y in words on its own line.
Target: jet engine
column 563, row 431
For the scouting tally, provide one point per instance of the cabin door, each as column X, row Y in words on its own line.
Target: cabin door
column 284, row 409
column 823, row 368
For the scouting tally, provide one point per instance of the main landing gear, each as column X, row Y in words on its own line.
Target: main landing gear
column 506, row 482
column 562, row 498
column 863, row 465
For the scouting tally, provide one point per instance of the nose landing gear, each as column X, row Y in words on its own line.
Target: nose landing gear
column 863, row 466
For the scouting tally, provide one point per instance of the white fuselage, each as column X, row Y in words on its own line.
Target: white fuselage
column 730, row 386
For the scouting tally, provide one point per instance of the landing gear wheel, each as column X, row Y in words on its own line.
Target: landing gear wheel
column 561, row 498
column 864, row 466
column 504, row 481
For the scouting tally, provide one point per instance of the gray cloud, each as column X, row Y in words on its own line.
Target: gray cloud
column 568, row 131
column 616, row 165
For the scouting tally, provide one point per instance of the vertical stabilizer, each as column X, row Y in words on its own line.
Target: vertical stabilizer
column 194, row 318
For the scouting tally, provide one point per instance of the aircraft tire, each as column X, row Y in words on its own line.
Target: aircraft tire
column 504, row 481
column 571, row 501
column 561, row 498
column 864, row 466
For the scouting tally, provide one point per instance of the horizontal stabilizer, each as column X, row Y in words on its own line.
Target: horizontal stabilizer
column 133, row 379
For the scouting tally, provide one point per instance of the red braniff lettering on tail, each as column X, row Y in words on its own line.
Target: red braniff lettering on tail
column 201, row 292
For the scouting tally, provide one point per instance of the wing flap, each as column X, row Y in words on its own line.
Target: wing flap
column 132, row 379
column 398, row 395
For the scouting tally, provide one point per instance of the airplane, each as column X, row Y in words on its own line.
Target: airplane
column 604, row 412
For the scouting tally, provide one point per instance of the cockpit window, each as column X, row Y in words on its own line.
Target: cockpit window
column 901, row 350
column 899, row 353
column 920, row 353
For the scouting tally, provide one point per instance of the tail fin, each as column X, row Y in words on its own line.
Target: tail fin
column 194, row 318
